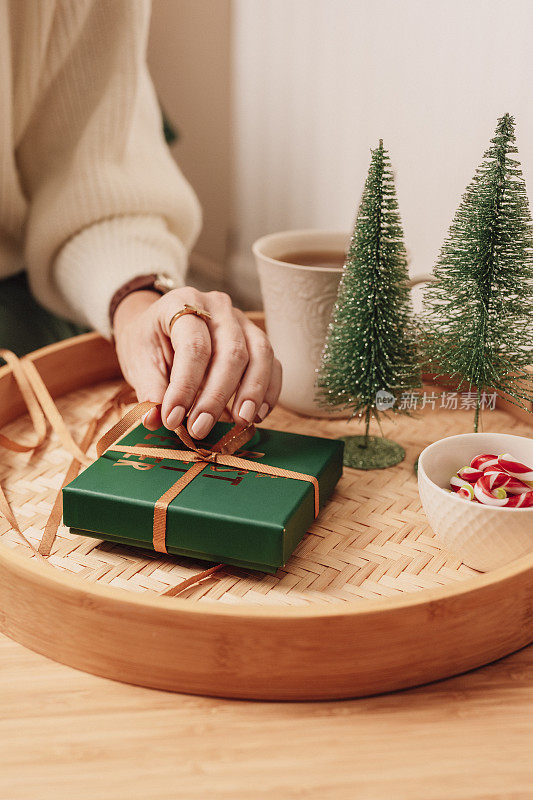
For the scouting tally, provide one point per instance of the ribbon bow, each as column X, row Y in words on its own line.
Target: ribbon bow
column 221, row 453
column 42, row 408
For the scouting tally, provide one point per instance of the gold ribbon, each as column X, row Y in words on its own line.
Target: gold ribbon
column 119, row 398
column 221, row 453
column 42, row 408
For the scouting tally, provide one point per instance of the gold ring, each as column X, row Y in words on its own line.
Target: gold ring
column 187, row 309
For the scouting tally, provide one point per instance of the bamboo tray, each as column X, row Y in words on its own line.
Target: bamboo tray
column 368, row 603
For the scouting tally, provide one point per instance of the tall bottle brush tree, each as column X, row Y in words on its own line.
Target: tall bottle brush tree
column 478, row 314
column 370, row 357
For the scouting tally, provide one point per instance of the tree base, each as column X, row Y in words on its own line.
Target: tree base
column 379, row 454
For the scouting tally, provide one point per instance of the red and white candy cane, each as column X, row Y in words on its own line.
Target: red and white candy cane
column 463, row 488
column 470, row 474
column 489, row 496
column 498, row 496
column 466, row 492
column 520, row 500
column 516, row 468
column 497, row 477
column 483, row 461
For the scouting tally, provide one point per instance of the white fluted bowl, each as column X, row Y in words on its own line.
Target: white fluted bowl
column 483, row 537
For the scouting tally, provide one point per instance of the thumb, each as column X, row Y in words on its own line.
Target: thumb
column 143, row 354
column 146, row 372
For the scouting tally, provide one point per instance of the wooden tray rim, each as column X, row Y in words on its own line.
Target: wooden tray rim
column 49, row 574
column 52, row 575
column 317, row 652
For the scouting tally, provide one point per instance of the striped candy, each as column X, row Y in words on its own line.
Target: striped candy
column 489, row 496
column 466, row 492
column 497, row 477
column 470, row 474
column 483, row 461
column 501, row 481
column 515, row 468
column 520, row 500
column 457, row 483
column 462, row 488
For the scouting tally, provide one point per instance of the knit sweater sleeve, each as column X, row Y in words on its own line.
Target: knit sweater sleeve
column 106, row 200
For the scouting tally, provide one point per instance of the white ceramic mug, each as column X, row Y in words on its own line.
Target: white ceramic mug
column 298, row 302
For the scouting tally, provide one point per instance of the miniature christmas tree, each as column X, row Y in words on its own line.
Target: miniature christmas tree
column 370, row 357
column 478, row 314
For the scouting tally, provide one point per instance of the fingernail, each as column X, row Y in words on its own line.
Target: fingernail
column 263, row 411
column 175, row 417
column 145, row 416
column 247, row 410
column 202, row 425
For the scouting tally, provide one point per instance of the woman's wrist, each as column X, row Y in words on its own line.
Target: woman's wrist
column 158, row 282
column 131, row 306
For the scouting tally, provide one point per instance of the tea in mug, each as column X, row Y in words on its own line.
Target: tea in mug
column 325, row 259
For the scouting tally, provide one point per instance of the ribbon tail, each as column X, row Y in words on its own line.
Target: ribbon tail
column 52, row 413
column 124, row 424
column 7, row 512
column 200, row 576
column 54, row 520
column 32, row 404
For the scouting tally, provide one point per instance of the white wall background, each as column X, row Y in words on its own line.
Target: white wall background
column 189, row 60
column 316, row 83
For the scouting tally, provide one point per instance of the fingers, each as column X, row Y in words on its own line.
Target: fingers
column 152, row 419
column 229, row 360
column 249, row 403
column 210, row 362
column 150, row 383
column 192, row 351
column 148, row 374
column 272, row 393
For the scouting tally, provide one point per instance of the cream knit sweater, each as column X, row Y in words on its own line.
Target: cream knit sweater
column 89, row 194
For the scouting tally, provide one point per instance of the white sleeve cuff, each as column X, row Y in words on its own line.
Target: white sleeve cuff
column 103, row 257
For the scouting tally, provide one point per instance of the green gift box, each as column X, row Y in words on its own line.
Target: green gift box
column 225, row 514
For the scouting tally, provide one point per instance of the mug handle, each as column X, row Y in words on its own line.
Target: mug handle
column 427, row 278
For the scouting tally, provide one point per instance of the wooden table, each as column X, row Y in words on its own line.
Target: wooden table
column 65, row 734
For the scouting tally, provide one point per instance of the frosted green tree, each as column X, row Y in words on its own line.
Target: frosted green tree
column 478, row 314
column 370, row 355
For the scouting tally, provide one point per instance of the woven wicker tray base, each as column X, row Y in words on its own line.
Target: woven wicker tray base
column 371, row 541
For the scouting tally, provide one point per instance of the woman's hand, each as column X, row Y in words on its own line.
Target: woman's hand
column 197, row 368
